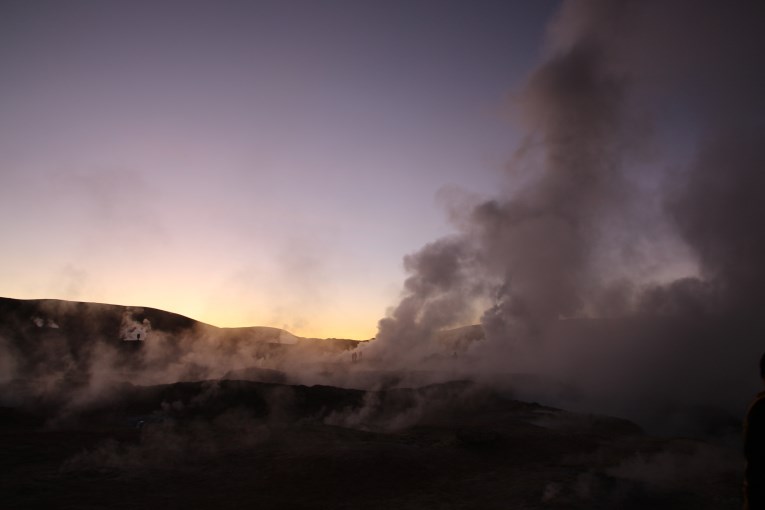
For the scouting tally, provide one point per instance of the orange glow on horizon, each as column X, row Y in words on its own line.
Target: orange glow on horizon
column 356, row 323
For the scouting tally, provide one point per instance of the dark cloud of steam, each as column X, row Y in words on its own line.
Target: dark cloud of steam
column 539, row 241
column 644, row 129
column 717, row 212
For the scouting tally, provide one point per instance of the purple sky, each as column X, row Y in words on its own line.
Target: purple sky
column 247, row 163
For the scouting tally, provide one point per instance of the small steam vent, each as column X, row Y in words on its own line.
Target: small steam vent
column 133, row 340
column 133, row 332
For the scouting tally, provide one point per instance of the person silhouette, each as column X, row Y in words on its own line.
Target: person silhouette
column 754, row 450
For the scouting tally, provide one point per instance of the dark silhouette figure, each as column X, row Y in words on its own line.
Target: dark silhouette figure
column 353, row 357
column 754, row 450
column 138, row 337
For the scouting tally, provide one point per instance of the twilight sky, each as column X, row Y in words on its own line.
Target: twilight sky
column 248, row 162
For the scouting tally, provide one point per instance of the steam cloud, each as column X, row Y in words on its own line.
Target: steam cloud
column 634, row 199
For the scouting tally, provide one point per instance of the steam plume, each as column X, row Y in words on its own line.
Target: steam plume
column 644, row 137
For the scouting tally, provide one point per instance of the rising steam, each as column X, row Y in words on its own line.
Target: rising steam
column 634, row 198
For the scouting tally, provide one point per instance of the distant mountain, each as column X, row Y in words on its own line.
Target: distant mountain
column 55, row 343
column 113, row 322
column 85, row 320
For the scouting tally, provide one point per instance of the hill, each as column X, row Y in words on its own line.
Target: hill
column 48, row 343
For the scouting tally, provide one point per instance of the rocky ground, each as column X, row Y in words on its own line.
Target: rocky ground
column 238, row 444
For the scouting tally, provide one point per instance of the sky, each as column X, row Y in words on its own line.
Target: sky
column 248, row 162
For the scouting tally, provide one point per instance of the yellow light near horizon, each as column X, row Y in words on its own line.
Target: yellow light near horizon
column 336, row 315
column 354, row 324
column 356, row 321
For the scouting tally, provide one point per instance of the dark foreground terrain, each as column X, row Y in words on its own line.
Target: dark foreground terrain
column 240, row 444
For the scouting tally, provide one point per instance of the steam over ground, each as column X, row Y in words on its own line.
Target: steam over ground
column 619, row 270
